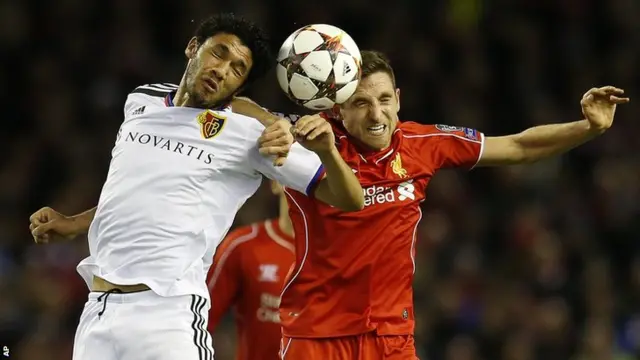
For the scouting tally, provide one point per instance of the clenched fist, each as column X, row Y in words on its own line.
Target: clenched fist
column 48, row 225
column 314, row 133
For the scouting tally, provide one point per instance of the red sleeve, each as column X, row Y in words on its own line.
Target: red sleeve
column 444, row 146
column 225, row 276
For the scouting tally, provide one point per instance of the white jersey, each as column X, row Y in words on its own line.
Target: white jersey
column 177, row 177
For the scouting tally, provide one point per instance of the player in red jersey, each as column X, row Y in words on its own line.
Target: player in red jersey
column 248, row 273
column 350, row 293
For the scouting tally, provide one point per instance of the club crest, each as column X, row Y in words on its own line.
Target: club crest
column 396, row 167
column 211, row 124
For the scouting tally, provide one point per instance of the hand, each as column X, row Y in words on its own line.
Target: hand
column 599, row 106
column 276, row 140
column 49, row 225
column 314, row 133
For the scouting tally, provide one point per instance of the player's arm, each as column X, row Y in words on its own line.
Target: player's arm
column 225, row 275
column 533, row 144
column 339, row 187
column 320, row 172
column 245, row 106
column 273, row 122
column 48, row 225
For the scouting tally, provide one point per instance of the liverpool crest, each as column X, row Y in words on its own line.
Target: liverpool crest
column 396, row 167
column 210, row 123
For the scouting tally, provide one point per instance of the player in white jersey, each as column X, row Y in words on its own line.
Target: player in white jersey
column 182, row 165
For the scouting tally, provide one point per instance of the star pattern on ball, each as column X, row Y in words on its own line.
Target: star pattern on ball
column 327, row 88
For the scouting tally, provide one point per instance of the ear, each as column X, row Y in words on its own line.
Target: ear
column 192, row 48
column 398, row 98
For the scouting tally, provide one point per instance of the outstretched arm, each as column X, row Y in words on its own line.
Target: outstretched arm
column 536, row 143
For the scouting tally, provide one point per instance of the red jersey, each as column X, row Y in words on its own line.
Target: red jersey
column 248, row 272
column 354, row 271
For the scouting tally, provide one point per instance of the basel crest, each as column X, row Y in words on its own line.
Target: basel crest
column 210, row 123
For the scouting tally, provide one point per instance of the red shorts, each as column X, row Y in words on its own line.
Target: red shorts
column 358, row 347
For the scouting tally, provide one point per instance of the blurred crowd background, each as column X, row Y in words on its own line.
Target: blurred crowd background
column 520, row 263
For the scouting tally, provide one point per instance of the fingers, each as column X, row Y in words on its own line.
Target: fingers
column 276, row 140
column 42, row 239
column 605, row 91
column 41, row 215
column 281, row 141
column 42, row 229
column 610, row 94
column 281, row 150
column 273, row 133
column 279, row 160
column 322, row 129
column 37, row 227
column 307, row 124
column 617, row 100
column 40, row 233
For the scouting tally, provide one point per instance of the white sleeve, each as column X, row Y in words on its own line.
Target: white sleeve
column 301, row 171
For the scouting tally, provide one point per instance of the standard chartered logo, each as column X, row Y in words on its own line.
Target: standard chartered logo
column 379, row 195
column 406, row 190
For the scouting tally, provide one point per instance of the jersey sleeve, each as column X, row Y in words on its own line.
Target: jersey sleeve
column 302, row 170
column 444, row 146
column 225, row 275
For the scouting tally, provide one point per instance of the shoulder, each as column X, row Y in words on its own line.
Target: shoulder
column 413, row 130
column 148, row 95
column 155, row 90
column 152, row 92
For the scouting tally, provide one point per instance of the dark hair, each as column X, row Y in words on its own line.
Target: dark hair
column 248, row 32
column 375, row 61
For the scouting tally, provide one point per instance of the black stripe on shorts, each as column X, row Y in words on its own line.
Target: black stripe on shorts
column 200, row 335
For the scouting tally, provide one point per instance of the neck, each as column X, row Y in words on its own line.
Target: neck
column 283, row 220
column 182, row 96
column 367, row 149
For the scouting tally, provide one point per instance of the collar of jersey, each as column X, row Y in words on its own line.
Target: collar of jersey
column 168, row 102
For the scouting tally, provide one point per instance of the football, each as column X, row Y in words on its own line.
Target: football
column 319, row 66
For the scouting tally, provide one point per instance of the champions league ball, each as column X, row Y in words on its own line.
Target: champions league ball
column 319, row 66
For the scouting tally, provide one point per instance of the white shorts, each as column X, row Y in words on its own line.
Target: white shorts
column 143, row 326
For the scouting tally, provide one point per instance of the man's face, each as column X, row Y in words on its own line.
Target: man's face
column 217, row 69
column 371, row 113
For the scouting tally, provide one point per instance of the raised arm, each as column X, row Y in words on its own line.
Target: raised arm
column 340, row 187
column 318, row 170
column 536, row 143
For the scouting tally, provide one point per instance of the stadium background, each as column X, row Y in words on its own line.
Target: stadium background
column 521, row 263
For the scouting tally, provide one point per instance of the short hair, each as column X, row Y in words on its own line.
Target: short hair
column 375, row 61
column 248, row 32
